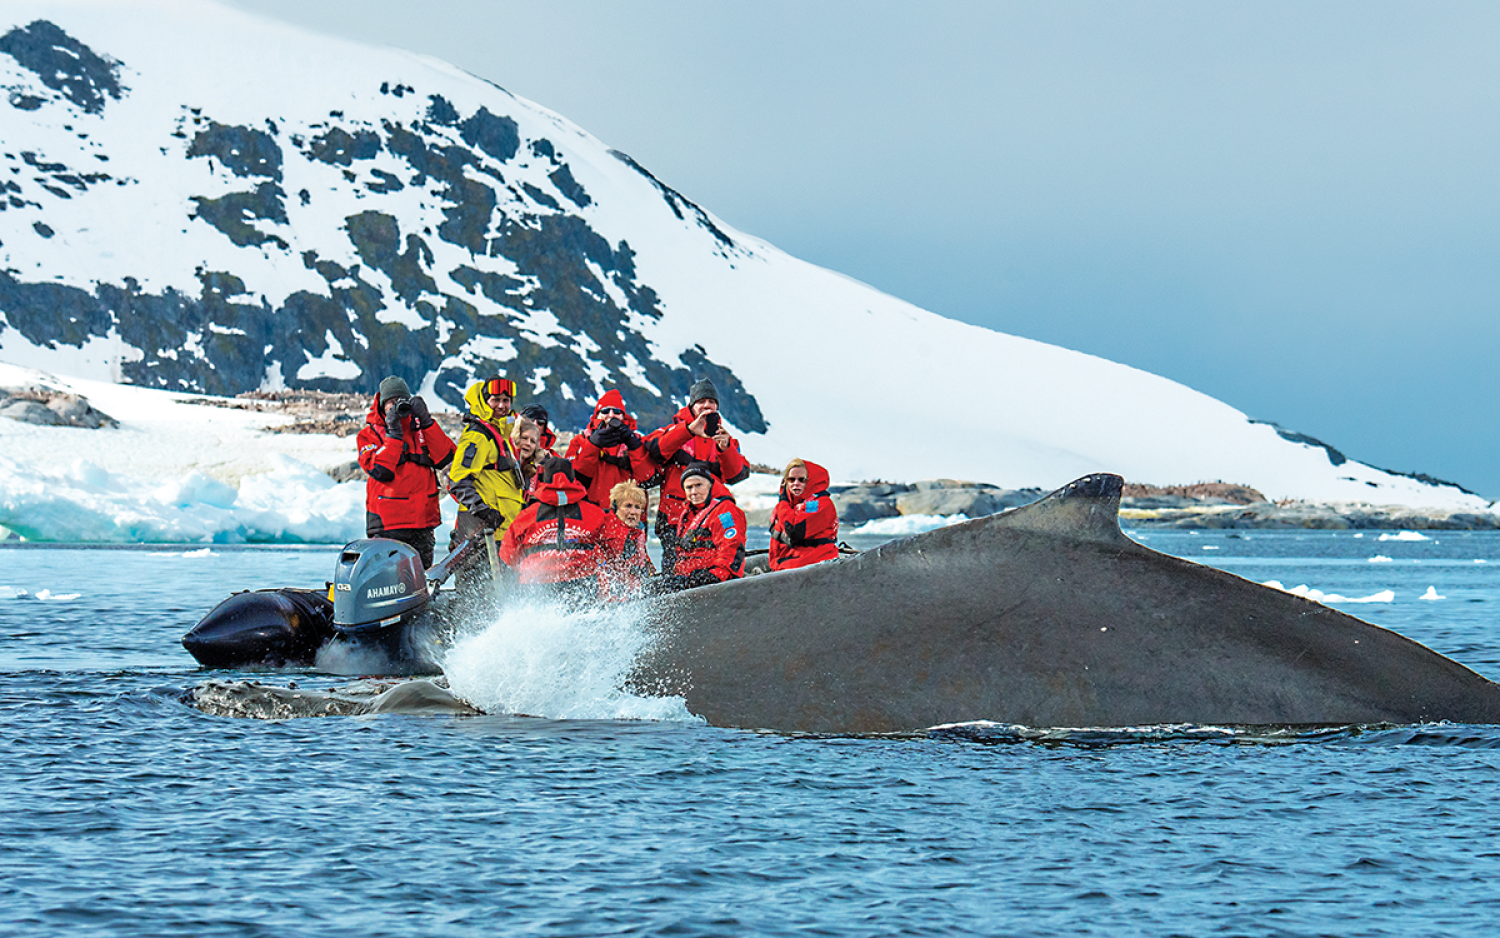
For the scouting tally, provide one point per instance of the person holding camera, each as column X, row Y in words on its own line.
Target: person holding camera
column 610, row 450
column 695, row 435
column 487, row 478
column 401, row 450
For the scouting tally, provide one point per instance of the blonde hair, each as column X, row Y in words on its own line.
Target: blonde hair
column 628, row 490
column 789, row 467
column 524, row 425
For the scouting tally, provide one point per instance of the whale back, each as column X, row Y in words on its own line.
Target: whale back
column 1046, row 615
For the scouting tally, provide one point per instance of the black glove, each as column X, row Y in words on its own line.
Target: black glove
column 490, row 518
column 612, row 433
column 420, row 418
column 634, row 440
column 393, row 424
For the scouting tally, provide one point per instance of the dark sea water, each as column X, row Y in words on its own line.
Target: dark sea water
column 128, row 812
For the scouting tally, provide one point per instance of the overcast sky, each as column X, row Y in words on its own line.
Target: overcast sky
column 1291, row 206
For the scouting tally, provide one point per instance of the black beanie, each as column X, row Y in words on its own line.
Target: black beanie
column 535, row 413
column 393, row 388
column 698, row 469
column 702, row 390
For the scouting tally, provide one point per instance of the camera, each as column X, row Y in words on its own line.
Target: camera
column 403, row 407
column 711, row 424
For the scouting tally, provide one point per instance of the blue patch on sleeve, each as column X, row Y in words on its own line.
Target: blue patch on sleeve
column 727, row 520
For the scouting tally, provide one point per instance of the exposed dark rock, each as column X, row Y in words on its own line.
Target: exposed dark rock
column 64, row 64
column 244, row 151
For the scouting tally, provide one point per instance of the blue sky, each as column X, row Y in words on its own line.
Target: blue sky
column 1293, row 207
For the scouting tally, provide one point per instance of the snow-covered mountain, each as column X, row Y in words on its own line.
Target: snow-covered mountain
column 199, row 199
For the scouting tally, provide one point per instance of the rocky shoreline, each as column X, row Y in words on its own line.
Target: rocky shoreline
column 1214, row 505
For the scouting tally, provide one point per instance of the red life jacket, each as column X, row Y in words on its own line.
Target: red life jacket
column 624, row 563
column 805, row 531
column 402, row 490
column 556, row 538
column 712, row 538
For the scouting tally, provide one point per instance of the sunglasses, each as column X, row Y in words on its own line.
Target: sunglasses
column 791, row 479
column 495, row 387
column 603, row 411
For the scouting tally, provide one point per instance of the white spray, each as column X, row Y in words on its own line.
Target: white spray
column 544, row 660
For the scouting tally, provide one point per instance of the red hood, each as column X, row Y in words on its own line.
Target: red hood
column 376, row 416
column 611, row 398
column 817, row 483
column 559, row 490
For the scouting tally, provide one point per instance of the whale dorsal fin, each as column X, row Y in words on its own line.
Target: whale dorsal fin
column 1085, row 509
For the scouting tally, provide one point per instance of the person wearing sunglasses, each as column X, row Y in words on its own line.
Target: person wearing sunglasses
column 609, row 450
column 696, row 434
column 805, row 525
column 401, row 450
column 486, row 477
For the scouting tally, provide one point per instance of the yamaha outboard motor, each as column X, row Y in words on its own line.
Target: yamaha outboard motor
column 376, row 584
column 379, row 592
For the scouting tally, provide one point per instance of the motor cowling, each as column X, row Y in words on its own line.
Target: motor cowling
column 376, row 582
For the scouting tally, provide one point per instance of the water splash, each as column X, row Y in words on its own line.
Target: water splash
column 546, row 660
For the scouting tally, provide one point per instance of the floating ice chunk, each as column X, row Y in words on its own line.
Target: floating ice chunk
column 1210, row 546
column 45, row 595
column 906, row 525
column 1380, row 558
column 201, row 552
column 12, row 592
column 1431, row 593
column 1318, row 596
column 1481, row 560
column 1405, row 536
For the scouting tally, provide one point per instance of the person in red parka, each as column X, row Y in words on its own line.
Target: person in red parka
column 625, row 565
column 695, row 435
column 402, row 450
column 710, row 535
column 609, row 450
column 554, row 542
column 805, row 525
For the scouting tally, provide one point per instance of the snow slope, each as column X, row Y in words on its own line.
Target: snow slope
column 239, row 189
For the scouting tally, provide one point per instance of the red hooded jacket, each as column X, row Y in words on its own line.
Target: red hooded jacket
column 674, row 448
column 712, row 538
column 556, row 538
column 805, row 531
column 402, row 490
column 602, row 469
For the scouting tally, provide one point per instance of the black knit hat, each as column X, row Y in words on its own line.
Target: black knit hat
column 393, row 388
column 698, row 469
column 536, row 413
column 702, row 390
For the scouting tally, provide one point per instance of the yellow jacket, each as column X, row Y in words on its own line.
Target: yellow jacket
column 485, row 472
